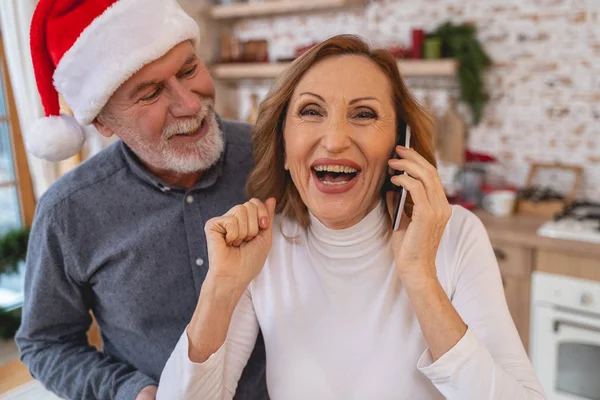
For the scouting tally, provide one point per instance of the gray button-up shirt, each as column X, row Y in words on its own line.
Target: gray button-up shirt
column 112, row 238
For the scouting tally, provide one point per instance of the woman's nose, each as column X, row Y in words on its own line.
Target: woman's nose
column 336, row 137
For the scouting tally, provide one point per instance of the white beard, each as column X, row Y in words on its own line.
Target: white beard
column 194, row 157
column 201, row 155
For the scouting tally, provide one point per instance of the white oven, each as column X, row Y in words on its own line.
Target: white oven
column 565, row 336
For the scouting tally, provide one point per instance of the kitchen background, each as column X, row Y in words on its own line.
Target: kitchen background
column 544, row 84
column 543, row 112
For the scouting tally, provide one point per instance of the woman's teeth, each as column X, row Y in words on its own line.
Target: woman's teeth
column 334, row 183
column 335, row 175
column 335, row 168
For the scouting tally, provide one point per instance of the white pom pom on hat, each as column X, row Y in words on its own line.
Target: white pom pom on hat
column 55, row 138
column 85, row 50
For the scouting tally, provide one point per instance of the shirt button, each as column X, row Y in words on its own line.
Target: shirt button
column 189, row 199
column 199, row 262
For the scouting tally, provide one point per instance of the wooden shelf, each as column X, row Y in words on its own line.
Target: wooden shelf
column 275, row 7
column 447, row 67
column 247, row 71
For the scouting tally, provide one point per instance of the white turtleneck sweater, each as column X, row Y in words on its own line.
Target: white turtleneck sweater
column 338, row 325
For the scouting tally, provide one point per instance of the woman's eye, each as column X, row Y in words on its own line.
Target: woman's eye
column 366, row 114
column 310, row 111
column 152, row 96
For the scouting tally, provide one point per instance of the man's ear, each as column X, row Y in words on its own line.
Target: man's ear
column 102, row 127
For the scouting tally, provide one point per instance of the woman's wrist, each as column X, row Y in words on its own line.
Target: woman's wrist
column 208, row 328
column 419, row 278
column 440, row 323
column 221, row 287
column 219, row 294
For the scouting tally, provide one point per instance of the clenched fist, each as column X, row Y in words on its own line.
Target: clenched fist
column 239, row 241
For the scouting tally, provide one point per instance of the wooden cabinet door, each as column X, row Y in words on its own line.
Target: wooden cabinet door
column 517, row 290
column 516, row 264
column 513, row 260
column 573, row 265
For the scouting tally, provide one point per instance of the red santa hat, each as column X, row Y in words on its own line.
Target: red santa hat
column 85, row 50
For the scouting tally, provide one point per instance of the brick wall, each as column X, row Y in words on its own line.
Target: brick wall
column 545, row 85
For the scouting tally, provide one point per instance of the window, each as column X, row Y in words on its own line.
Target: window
column 10, row 217
column 17, row 202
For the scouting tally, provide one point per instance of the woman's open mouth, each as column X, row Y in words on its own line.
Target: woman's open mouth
column 335, row 176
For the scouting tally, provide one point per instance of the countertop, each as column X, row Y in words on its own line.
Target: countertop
column 521, row 230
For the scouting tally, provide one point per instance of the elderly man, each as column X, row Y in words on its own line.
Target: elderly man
column 122, row 235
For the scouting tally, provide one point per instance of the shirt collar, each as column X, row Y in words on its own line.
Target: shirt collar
column 208, row 179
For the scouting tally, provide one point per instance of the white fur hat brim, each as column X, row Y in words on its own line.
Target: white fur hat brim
column 126, row 37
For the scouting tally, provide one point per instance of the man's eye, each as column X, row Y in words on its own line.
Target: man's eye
column 153, row 95
column 190, row 71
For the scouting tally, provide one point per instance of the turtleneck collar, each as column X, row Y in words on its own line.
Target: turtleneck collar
column 357, row 241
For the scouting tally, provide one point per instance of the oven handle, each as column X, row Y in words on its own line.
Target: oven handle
column 560, row 322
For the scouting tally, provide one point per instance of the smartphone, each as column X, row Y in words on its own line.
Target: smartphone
column 403, row 140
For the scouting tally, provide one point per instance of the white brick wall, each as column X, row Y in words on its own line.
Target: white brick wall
column 545, row 85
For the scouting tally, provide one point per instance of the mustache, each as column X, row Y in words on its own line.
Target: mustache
column 189, row 124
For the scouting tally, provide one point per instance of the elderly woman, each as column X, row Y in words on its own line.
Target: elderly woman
column 348, row 308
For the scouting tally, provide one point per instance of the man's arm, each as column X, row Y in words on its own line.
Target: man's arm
column 148, row 393
column 52, row 338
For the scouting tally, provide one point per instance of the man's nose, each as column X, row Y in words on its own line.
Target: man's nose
column 185, row 102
